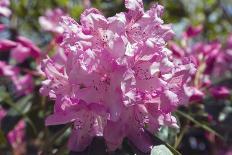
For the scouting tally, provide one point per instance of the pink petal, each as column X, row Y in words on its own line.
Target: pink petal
column 7, row 44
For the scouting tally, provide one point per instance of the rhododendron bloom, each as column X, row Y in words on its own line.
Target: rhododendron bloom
column 176, row 49
column 117, row 79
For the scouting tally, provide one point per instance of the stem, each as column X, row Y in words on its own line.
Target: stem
column 203, row 126
column 181, row 135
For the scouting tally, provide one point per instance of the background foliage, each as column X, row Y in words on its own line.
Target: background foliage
column 196, row 136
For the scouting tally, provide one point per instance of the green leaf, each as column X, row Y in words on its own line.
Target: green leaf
column 160, row 150
column 62, row 2
column 21, row 107
column 210, row 2
column 76, row 11
column 172, row 149
column 2, row 138
column 3, row 93
column 168, row 134
column 203, row 126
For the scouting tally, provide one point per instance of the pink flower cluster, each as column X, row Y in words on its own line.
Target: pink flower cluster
column 213, row 63
column 20, row 50
column 116, row 78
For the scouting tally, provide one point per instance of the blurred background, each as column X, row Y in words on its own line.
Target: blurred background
column 205, row 125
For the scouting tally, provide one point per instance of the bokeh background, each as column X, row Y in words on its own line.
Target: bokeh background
column 205, row 125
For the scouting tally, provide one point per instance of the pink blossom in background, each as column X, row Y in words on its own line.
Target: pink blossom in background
column 50, row 21
column 197, row 95
column 116, row 77
column 224, row 151
column 2, row 27
column 212, row 61
column 221, row 92
column 228, row 54
column 24, row 84
column 16, row 137
column 6, row 44
column 206, row 81
column 25, row 48
column 21, row 49
column 4, row 8
column 229, row 152
column 20, row 53
column 211, row 54
column 193, row 31
column 35, row 52
column 7, row 70
column 229, row 41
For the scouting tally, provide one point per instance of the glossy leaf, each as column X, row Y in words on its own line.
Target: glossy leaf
column 160, row 150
